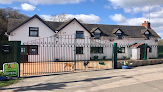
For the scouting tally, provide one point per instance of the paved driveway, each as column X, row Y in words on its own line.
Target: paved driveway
column 138, row 79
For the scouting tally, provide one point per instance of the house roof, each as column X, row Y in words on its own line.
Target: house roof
column 138, row 45
column 13, row 24
column 107, row 30
column 94, row 29
column 68, row 22
column 115, row 30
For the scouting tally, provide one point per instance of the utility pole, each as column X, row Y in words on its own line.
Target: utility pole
column 149, row 12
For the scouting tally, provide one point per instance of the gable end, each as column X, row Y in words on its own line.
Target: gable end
column 35, row 16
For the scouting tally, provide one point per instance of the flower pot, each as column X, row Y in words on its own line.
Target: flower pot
column 101, row 63
column 125, row 67
column 2, row 78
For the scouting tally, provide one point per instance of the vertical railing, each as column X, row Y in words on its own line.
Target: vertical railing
column 75, row 51
column 145, row 52
column 114, row 56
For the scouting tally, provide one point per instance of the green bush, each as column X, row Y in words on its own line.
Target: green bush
column 124, row 57
column 104, row 57
column 2, row 74
column 95, row 57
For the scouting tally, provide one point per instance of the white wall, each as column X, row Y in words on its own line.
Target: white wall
column 153, row 54
column 130, row 41
column 22, row 33
column 135, row 53
column 71, row 29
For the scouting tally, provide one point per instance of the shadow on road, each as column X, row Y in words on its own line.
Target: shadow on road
column 52, row 86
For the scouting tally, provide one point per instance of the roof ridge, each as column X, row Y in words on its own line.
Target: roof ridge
column 113, row 25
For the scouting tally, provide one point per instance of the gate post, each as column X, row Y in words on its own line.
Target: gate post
column 114, row 56
column 18, row 54
column 75, row 51
column 145, row 52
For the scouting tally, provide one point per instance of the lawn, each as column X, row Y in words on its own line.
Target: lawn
column 9, row 82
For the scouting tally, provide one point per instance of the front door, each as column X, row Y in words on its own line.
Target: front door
column 24, row 55
column 141, row 53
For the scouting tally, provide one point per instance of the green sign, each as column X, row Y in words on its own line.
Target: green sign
column 10, row 69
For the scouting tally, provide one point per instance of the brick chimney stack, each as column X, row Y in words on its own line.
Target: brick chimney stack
column 146, row 24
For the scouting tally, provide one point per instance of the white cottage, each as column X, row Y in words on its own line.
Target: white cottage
column 91, row 39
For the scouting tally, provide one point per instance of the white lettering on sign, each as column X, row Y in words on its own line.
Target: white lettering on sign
column 10, row 73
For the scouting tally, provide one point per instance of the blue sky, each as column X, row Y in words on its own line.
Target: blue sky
column 112, row 12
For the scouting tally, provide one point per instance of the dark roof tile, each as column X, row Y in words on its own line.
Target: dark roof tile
column 107, row 30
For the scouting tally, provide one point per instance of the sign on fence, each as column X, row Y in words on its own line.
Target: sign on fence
column 11, row 69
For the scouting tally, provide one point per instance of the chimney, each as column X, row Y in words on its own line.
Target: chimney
column 146, row 24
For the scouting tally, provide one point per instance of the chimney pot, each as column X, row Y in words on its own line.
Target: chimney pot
column 146, row 24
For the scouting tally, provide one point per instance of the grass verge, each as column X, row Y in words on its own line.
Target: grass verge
column 9, row 82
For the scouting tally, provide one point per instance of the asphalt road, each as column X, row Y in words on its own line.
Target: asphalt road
column 138, row 79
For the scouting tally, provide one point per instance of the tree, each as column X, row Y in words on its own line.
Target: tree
column 63, row 17
column 4, row 15
column 160, row 42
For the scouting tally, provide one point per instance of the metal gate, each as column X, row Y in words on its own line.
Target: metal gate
column 64, row 53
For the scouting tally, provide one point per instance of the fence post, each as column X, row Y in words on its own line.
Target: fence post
column 114, row 56
column 145, row 52
column 18, row 55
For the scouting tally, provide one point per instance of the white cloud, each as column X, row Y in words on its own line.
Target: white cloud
column 132, row 3
column 35, row 2
column 17, row 8
column 118, row 18
column 91, row 19
column 107, row 6
column 137, row 6
column 142, row 7
column 156, row 23
column 46, row 17
column 27, row 7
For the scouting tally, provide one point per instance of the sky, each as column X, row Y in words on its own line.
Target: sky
column 111, row 12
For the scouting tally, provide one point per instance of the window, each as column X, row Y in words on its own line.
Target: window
column 97, row 35
column 33, row 31
column 33, row 50
column 29, row 50
column 121, row 49
column 96, row 49
column 79, row 34
column 23, row 50
column 146, row 33
column 150, row 49
column 79, row 50
column 119, row 35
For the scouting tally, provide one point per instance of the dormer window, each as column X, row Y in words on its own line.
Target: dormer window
column 97, row 34
column 119, row 34
column 147, row 34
